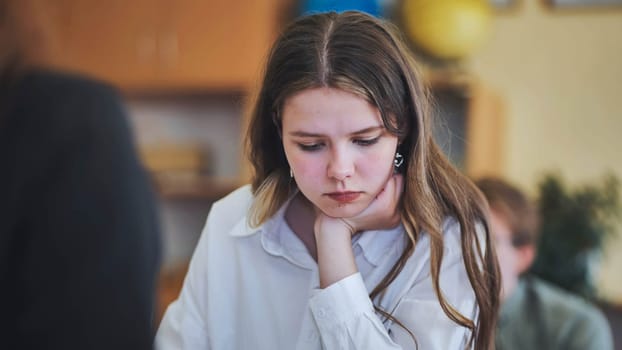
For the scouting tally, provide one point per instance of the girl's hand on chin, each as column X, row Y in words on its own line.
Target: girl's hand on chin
column 382, row 213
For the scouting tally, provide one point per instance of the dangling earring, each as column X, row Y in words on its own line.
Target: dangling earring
column 399, row 159
column 291, row 173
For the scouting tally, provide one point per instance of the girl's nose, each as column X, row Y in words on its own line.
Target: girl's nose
column 340, row 166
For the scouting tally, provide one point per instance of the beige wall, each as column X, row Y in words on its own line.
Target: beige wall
column 561, row 77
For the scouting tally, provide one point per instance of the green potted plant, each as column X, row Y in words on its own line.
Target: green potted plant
column 576, row 223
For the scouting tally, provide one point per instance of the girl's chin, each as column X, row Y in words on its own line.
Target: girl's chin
column 343, row 210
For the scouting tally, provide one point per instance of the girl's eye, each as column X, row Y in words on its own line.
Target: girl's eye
column 310, row 147
column 366, row 142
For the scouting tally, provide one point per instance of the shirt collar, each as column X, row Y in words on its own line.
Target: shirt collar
column 374, row 244
column 244, row 229
column 277, row 238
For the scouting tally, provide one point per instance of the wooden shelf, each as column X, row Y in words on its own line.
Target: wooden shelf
column 192, row 186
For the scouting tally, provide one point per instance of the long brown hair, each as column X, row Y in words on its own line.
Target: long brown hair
column 366, row 56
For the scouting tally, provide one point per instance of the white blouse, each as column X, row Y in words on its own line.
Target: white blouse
column 258, row 288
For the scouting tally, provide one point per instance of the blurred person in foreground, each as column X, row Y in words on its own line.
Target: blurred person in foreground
column 79, row 239
column 534, row 313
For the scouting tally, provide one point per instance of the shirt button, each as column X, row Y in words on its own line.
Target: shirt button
column 321, row 313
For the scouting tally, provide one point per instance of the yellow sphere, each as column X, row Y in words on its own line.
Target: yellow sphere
column 447, row 29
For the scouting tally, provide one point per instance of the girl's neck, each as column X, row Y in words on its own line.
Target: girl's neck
column 300, row 216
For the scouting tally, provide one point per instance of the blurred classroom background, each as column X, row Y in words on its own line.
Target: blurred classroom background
column 524, row 88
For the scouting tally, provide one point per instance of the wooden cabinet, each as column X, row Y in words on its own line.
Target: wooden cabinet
column 485, row 132
column 165, row 45
column 217, row 43
column 112, row 40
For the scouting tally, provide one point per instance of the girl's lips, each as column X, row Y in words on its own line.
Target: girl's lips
column 344, row 197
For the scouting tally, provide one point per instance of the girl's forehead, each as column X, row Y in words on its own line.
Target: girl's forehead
column 322, row 99
column 329, row 108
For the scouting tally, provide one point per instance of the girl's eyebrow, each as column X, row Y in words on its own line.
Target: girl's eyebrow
column 358, row 132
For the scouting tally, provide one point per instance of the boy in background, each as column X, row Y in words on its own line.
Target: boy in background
column 534, row 313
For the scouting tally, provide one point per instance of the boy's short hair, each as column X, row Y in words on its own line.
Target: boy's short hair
column 507, row 201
